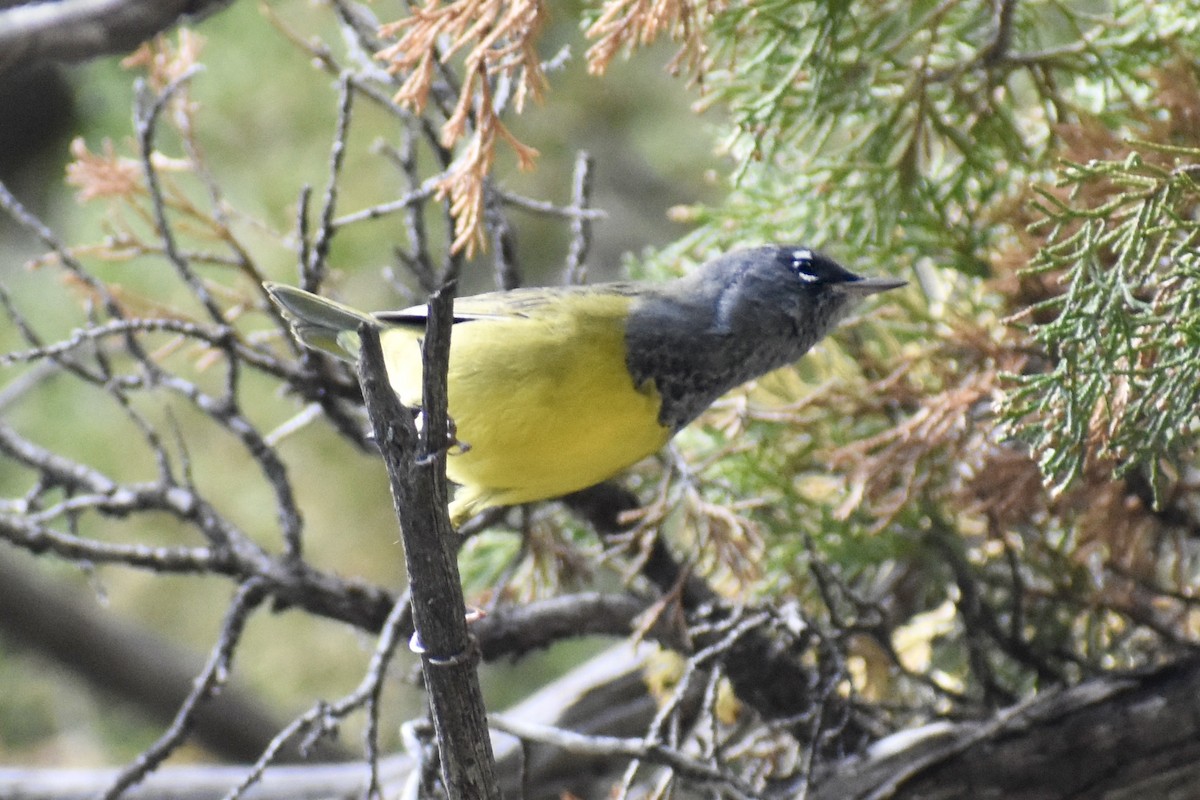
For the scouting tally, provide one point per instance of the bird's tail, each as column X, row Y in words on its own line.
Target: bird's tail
column 320, row 323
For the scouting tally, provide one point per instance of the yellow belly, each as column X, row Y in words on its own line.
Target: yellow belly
column 543, row 406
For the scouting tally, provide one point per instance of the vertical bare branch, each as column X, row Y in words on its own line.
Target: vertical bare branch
column 416, row 469
column 147, row 111
column 581, row 225
column 314, row 266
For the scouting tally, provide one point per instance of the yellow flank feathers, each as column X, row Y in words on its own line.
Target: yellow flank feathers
column 536, row 419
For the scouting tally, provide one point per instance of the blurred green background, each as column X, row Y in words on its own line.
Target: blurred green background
column 267, row 119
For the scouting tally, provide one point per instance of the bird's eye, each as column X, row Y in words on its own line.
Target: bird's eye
column 802, row 265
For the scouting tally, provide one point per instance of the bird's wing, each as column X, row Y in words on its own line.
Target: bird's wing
column 527, row 303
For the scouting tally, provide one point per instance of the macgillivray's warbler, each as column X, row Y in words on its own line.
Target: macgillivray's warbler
column 555, row 389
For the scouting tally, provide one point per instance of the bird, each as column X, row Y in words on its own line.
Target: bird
column 555, row 389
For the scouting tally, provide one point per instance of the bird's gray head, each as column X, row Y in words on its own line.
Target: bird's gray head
column 736, row 318
column 790, row 284
column 786, row 289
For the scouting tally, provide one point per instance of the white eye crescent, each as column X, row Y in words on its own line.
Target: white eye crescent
column 802, row 260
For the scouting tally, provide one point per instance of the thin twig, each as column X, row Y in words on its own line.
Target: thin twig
column 147, row 111
column 417, row 258
column 28, row 220
column 315, row 266
column 581, row 225
column 504, row 241
column 215, row 674
column 414, row 197
column 548, row 208
column 323, row 717
column 636, row 749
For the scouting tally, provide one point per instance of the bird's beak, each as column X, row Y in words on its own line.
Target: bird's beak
column 866, row 286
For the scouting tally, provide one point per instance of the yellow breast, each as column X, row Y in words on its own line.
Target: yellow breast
column 543, row 403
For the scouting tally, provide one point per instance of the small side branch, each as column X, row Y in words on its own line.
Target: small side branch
column 581, row 224
column 215, row 673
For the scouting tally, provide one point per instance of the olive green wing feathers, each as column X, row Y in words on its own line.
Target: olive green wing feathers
column 529, row 303
column 332, row 327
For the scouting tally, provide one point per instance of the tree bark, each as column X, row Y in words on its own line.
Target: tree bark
column 1112, row 738
column 449, row 654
